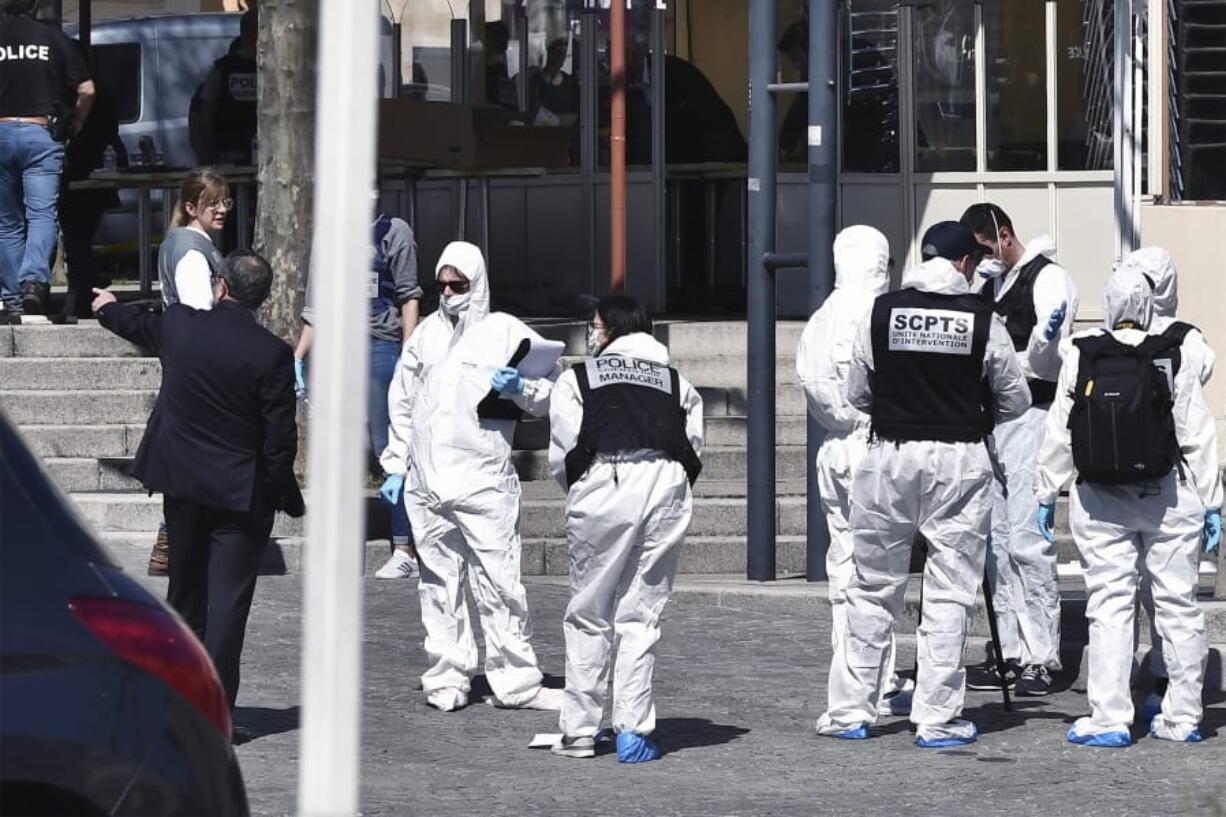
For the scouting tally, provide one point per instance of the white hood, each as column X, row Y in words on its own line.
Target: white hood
column 639, row 345
column 1043, row 245
column 1128, row 296
column 936, row 275
column 861, row 259
column 468, row 260
column 1158, row 267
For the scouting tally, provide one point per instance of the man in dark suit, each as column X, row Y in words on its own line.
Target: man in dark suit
column 219, row 446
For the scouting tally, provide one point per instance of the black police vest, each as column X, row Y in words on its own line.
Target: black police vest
column 236, row 108
column 1017, row 308
column 928, row 381
column 629, row 405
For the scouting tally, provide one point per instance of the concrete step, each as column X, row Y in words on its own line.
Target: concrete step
column 99, row 441
column 103, row 407
column 695, row 340
column 110, row 512
column 83, row 474
column 723, row 401
column 80, row 373
column 86, row 339
column 541, row 557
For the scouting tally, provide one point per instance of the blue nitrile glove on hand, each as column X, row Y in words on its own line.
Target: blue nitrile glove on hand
column 391, row 488
column 507, row 381
column 1047, row 522
column 1213, row 530
column 1052, row 330
column 299, row 378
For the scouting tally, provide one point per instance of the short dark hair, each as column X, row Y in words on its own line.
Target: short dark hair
column 986, row 219
column 622, row 315
column 248, row 277
column 18, row 8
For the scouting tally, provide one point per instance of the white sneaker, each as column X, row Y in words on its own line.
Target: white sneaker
column 399, row 565
column 545, row 698
column 448, row 699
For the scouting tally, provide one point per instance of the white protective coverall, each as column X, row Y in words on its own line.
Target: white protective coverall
column 1021, row 563
column 1158, row 267
column 938, row 489
column 625, row 522
column 1117, row 526
column 861, row 270
column 462, row 493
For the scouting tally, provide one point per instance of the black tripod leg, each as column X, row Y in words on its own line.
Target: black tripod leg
column 995, row 633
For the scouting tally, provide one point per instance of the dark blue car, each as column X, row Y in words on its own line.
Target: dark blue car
column 108, row 702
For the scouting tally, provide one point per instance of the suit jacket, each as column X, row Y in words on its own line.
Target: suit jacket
column 223, row 432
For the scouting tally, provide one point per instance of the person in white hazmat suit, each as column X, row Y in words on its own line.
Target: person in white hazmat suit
column 1038, row 300
column 1153, row 525
column 625, row 439
column 461, row 492
column 935, row 369
column 861, row 273
column 1156, row 264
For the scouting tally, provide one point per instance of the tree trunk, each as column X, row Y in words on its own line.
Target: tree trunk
column 286, row 60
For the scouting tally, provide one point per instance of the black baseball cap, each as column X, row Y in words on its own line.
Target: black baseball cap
column 951, row 240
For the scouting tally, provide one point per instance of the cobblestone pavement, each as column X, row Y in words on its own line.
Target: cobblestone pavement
column 737, row 695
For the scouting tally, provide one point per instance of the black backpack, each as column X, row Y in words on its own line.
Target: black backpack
column 1121, row 423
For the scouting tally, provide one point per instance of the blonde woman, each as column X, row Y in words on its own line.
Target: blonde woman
column 188, row 261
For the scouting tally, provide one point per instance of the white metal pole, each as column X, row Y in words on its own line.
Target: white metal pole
column 332, row 598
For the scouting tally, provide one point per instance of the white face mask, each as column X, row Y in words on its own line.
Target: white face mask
column 455, row 304
column 593, row 341
column 991, row 267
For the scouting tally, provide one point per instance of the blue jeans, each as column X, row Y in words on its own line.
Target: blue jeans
column 30, row 165
column 384, row 354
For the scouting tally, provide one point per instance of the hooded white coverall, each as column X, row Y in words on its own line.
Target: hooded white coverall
column 1158, row 267
column 625, row 521
column 1156, row 524
column 861, row 269
column 1021, row 563
column 461, row 492
column 938, row 489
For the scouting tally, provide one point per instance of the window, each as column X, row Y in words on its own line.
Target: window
column 1198, row 96
column 944, row 85
column 1084, row 41
column 117, row 74
column 870, row 87
column 1015, row 35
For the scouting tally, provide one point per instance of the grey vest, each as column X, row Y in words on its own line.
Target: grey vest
column 178, row 243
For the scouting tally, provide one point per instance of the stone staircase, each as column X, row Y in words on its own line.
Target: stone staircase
column 81, row 396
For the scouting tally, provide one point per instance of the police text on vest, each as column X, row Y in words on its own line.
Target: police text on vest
column 612, row 370
column 942, row 331
column 25, row 52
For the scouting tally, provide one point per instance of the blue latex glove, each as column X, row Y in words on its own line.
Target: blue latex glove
column 1213, row 530
column 507, row 381
column 299, row 378
column 1047, row 522
column 391, row 488
column 1055, row 321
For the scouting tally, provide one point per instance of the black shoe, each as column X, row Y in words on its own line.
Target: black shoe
column 1035, row 681
column 8, row 318
column 985, row 677
column 34, row 298
column 240, row 735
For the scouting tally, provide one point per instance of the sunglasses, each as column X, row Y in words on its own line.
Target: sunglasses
column 458, row 287
column 223, row 205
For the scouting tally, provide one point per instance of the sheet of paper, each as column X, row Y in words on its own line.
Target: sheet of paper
column 545, row 740
column 541, row 358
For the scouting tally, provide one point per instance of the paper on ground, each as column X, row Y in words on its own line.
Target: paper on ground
column 545, row 740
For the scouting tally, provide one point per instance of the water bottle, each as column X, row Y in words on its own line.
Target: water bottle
column 109, row 160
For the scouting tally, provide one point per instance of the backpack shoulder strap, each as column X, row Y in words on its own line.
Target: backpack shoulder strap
column 1155, row 345
column 1178, row 330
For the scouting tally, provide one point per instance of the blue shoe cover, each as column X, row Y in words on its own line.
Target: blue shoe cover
column 1105, row 740
column 635, row 748
column 957, row 732
column 855, row 733
column 941, row 743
